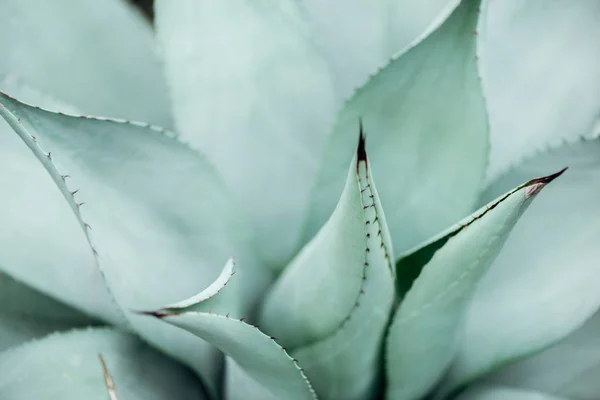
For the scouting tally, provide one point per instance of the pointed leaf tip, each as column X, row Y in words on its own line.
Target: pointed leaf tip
column 534, row 186
column 361, row 153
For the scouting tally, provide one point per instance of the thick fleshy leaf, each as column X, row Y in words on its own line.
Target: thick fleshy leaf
column 424, row 112
column 483, row 392
column 536, row 55
column 66, row 366
column 424, row 335
column 257, row 367
column 27, row 314
column 252, row 92
column 161, row 218
column 97, row 55
column 570, row 368
column 332, row 305
column 544, row 284
column 319, row 290
column 358, row 36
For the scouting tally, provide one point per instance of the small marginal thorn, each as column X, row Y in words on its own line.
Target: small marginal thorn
column 80, row 204
column 362, row 291
column 242, row 319
column 475, row 33
column 361, row 153
column 273, row 338
column 64, row 177
column 74, row 192
column 49, row 155
column 87, row 226
column 227, row 315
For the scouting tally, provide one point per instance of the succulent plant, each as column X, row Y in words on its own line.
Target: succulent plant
column 113, row 286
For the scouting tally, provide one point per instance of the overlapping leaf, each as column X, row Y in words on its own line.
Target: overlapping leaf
column 66, row 366
column 161, row 220
column 252, row 92
column 425, row 112
column 544, row 284
column 425, row 331
column 98, row 55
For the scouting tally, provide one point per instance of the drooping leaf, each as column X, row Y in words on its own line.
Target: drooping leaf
column 98, row 55
column 323, row 285
column 358, row 36
column 249, row 87
column 66, row 366
column 257, row 367
column 544, row 284
column 424, row 335
column 160, row 216
column 425, row 111
column 483, row 392
column 331, row 305
column 569, row 369
column 536, row 55
column 26, row 314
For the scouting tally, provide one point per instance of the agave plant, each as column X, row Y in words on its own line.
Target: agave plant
column 113, row 286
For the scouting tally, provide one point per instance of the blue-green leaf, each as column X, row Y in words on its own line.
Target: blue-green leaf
column 544, row 284
column 257, row 367
column 252, row 92
column 536, row 55
column 424, row 112
column 424, row 334
column 66, row 366
column 485, row 392
column 27, row 314
column 98, row 55
column 161, row 219
column 322, row 286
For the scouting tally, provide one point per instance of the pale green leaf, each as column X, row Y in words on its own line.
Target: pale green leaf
column 569, row 368
column 484, row 392
column 160, row 216
column 338, row 293
column 424, row 112
column 252, row 92
column 358, row 36
column 27, row 314
column 425, row 331
column 98, row 55
column 323, row 285
column 539, row 65
column 257, row 367
column 66, row 366
column 544, row 284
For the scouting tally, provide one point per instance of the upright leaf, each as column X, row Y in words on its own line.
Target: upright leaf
column 249, row 86
column 358, row 36
column 544, row 284
column 537, row 55
column 331, row 305
column 160, row 216
column 66, row 366
column 98, row 55
column 424, row 334
column 425, row 112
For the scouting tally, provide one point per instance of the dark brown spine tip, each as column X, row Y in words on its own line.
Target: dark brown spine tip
column 361, row 152
column 547, row 179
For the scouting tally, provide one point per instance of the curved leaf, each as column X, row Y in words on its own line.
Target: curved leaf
column 27, row 314
column 106, row 63
column 570, row 368
column 249, row 86
column 257, row 367
column 424, row 334
column 549, row 263
column 425, row 111
column 536, row 55
column 349, row 299
column 378, row 29
column 321, row 287
column 66, row 366
column 483, row 392
column 161, row 218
